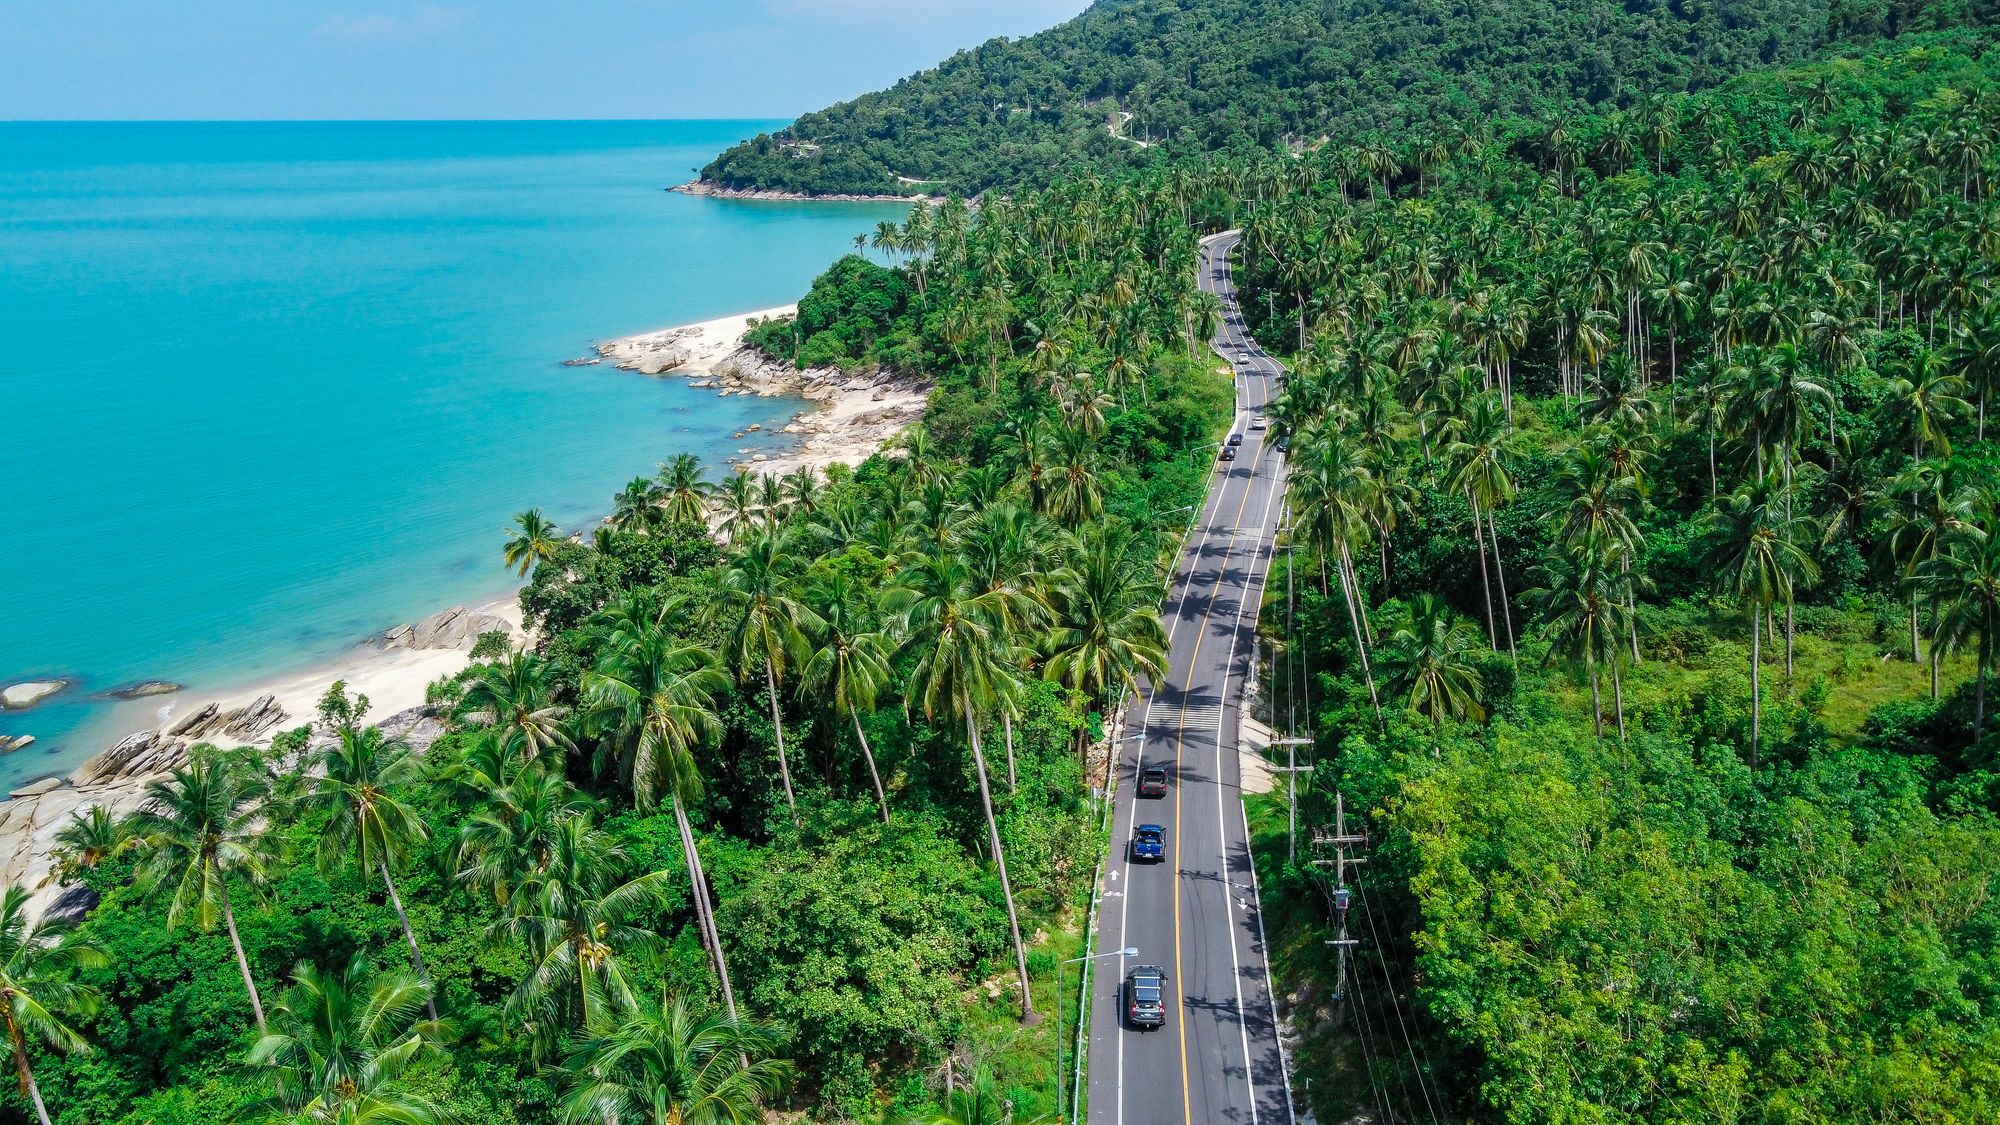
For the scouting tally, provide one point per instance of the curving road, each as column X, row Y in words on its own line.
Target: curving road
column 1218, row 1058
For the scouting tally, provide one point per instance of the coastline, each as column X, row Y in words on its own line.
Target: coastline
column 850, row 418
column 711, row 190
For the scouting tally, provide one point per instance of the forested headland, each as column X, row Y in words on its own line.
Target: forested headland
column 1144, row 83
column 1641, row 601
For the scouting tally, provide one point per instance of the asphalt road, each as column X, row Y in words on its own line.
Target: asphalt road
column 1196, row 915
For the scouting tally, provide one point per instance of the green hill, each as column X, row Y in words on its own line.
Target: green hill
column 1200, row 76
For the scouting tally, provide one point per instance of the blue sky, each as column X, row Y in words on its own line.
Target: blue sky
column 210, row 59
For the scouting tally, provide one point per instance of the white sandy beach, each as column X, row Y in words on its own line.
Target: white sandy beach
column 851, row 418
column 393, row 678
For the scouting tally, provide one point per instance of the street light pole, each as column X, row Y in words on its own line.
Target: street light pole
column 1128, row 951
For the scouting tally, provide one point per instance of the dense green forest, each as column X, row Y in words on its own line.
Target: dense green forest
column 1643, row 607
column 1650, row 594
column 1137, row 83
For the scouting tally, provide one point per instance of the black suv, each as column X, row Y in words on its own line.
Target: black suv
column 1152, row 782
column 1146, row 998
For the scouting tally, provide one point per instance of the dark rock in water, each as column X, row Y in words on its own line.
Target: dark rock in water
column 144, row 688
column 73, row 905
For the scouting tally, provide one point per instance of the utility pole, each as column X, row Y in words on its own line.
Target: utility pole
column 1341, row 897
column 1292, row 769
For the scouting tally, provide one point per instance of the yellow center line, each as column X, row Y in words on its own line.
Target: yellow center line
column 1180, row 737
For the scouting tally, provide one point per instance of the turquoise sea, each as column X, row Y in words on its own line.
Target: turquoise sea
column 268, row 388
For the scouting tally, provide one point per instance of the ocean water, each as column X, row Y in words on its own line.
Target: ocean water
column 268, row 388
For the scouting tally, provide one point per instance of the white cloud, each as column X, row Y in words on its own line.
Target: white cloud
column 423, row 22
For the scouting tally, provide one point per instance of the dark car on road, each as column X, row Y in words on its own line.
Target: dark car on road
column 1146, row 998
column 1236, row 439
column 1149, row 844
column 1152, row 782
column 1229, row 453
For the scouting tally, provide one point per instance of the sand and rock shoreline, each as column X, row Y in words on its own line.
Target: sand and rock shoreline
column 392, row 670
column 851, row 418
column 853, row 414
column 711, row 190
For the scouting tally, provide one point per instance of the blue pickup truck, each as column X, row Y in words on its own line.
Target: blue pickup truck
column 1149, row 844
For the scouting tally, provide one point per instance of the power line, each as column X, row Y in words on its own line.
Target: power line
column 1375, row 1091
column 1417, row 1061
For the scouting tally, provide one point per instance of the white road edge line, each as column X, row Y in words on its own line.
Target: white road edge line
column 1203, row 516
column 1254, row 586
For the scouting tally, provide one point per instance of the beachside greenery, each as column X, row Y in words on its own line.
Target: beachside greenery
column 1145, row 83
column 1642, row 606
column 788, row 806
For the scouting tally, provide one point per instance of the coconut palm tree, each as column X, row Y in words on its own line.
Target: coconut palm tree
column 1923, row 401
column 1964, row 578
column 517, row 699
column 654, row 695
column 1974, row 357
column 534, row 541
column 1919, row 510
column 802, row 490
column 1428, row 660
column 1331, row 494
column 739, row 505
column 202, row 828
column 90, row 838
column 684, row 489
column 510, row 837
column 1760, row 562
column 636, row 508
column 849, row 668
column 959, row 645
column 1584, row 609
column 1008, row 550
column 1108, row 626
column 1479, row 470
column 38, row 987
column 769, row 627
column 340, row 1045
column 1076, row 496
column 665, row 1062
column 356, row 785
column 579, row 925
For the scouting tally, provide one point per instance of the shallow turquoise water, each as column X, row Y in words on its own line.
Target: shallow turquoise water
column 267, row 388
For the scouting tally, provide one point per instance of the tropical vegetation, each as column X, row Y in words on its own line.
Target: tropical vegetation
column 1148, row 84
column 1639, row 599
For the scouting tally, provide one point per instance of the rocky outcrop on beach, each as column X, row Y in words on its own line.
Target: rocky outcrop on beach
column 457, row 627
column 144, row 688
column 855, row 412
column 21, row 696
column 417, row 727
column 36, row 812
column 713, row 190
column 243, row 724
